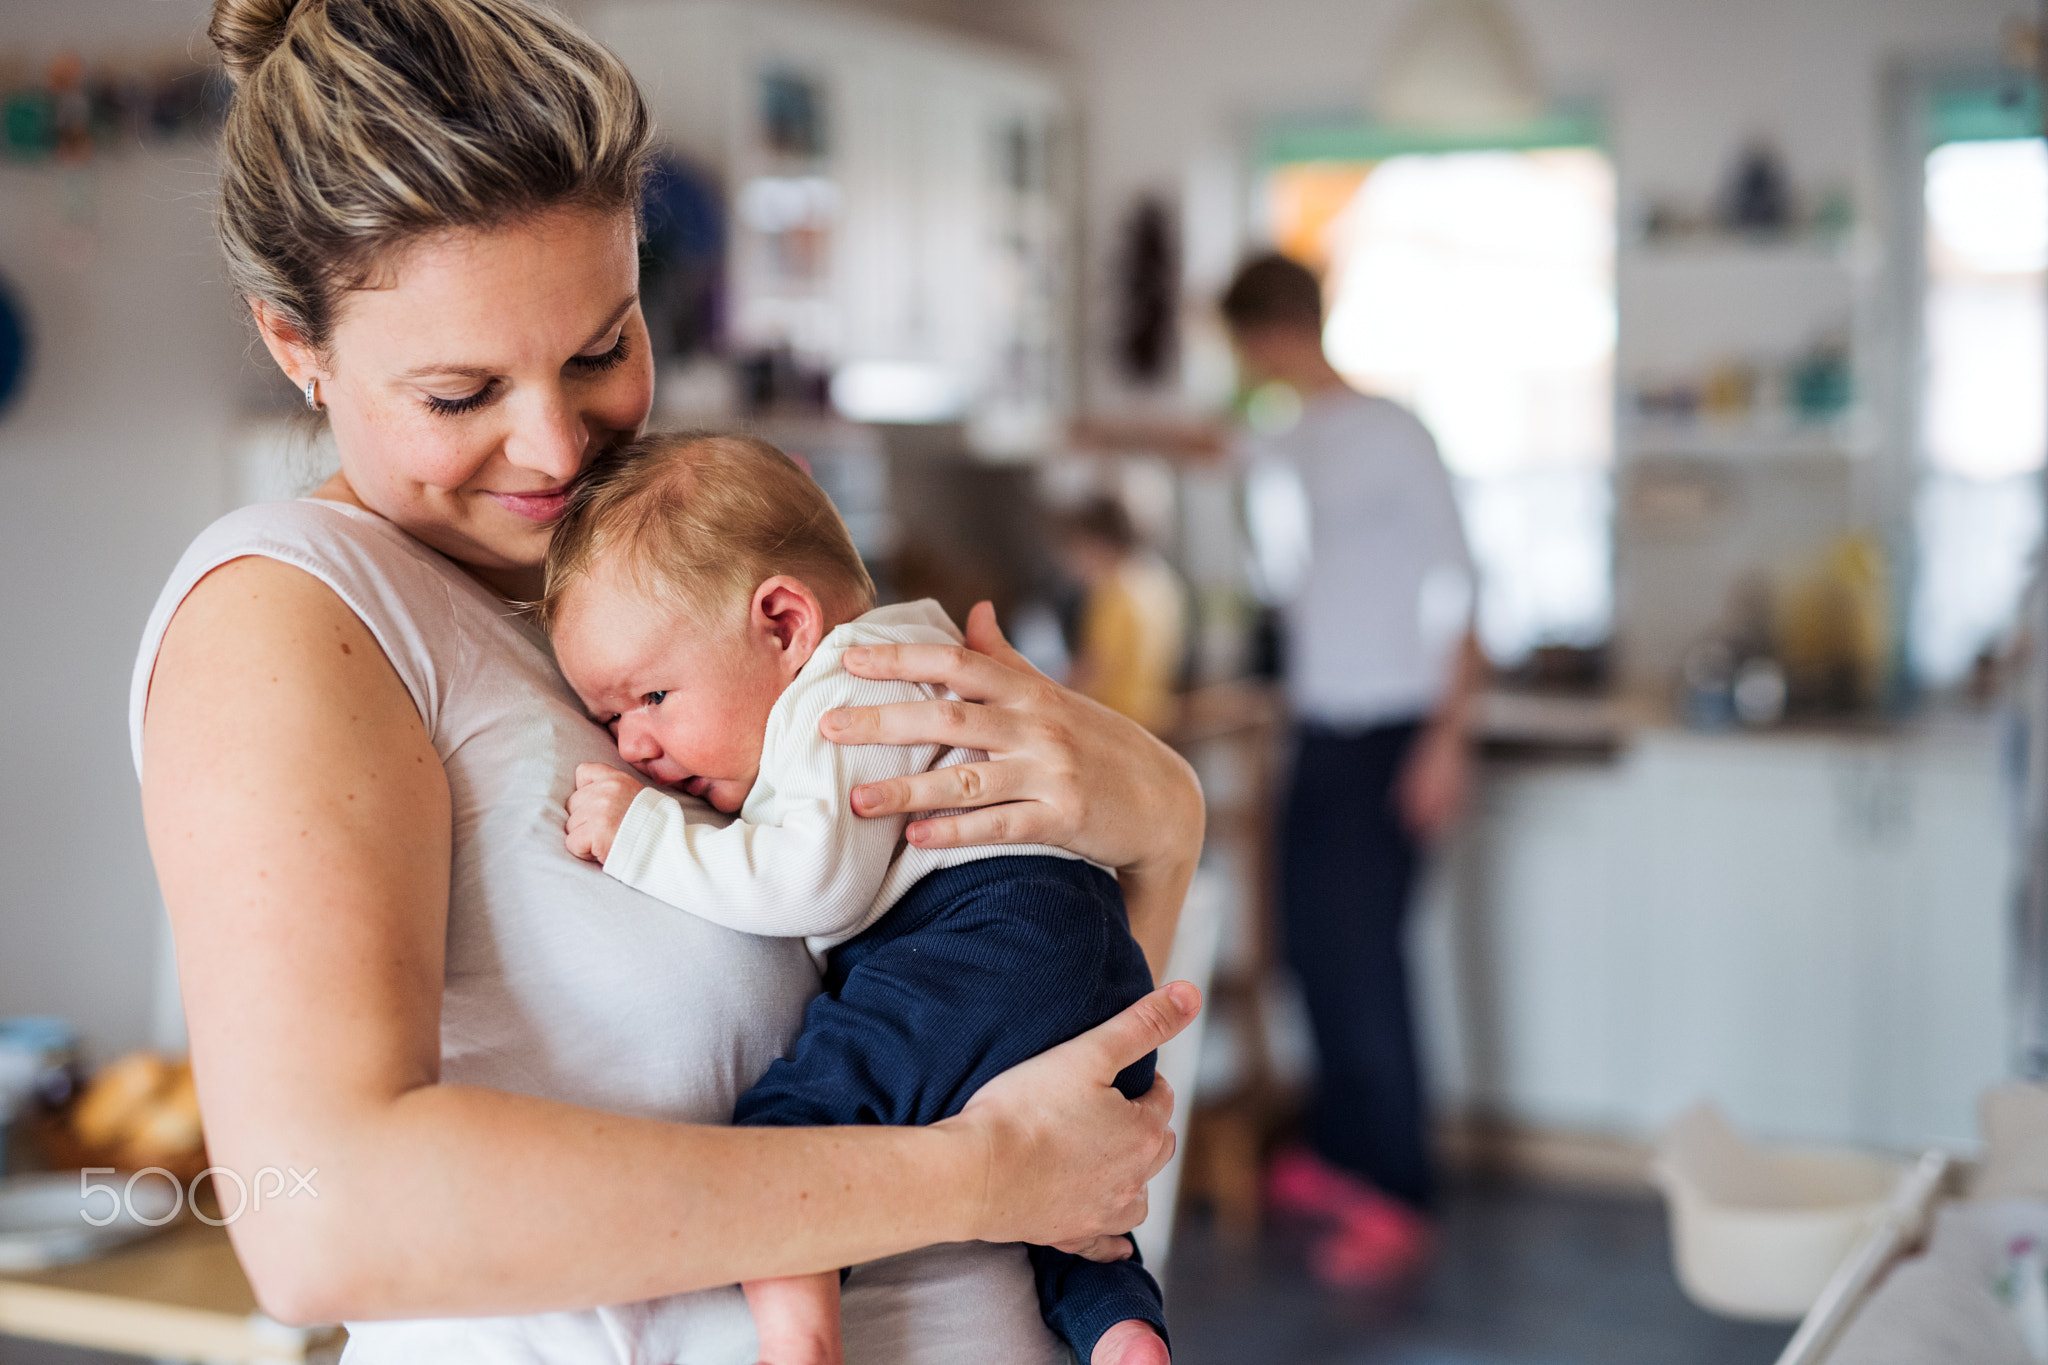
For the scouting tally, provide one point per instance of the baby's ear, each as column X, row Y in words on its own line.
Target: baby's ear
column 788, row 615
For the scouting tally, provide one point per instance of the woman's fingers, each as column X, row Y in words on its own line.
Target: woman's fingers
column 1105, row 1249
column 985, row 636
column 961, row 724
column 962, row 784
column 1171, row 1139
column 1143, row 1028
column 1013, row 822
column 974, row 676
column 1066, row 1156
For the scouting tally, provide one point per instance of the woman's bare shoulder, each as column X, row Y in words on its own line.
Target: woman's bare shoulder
column 257, row 608
column 260, row 641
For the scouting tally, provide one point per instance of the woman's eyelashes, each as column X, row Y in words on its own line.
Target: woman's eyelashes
column 584, row 364
column 455, row 407
column 598, row 364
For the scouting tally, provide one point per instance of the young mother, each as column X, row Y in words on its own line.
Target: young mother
column 503, row 1074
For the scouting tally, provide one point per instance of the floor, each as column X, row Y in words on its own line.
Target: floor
column 1525, row 1277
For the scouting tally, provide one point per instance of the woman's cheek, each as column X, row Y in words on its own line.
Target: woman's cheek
column 449, row 454
column 629, row 398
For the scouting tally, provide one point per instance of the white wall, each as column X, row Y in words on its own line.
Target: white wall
column 110, row 461
column 1173, row 88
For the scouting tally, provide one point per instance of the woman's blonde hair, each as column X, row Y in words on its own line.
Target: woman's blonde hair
column 697, row 521
column 360, row 125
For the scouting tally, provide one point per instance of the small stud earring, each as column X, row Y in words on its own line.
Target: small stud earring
column 313, row 394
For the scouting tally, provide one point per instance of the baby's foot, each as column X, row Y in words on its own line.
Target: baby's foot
column 1130, row 1342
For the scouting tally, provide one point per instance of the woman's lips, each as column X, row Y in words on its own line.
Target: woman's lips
column 544, row 506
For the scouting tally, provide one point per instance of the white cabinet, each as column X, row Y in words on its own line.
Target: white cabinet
column 1811, row 930
column 895, row 219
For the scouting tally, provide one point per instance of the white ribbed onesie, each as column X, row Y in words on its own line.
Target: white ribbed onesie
column 797, row 861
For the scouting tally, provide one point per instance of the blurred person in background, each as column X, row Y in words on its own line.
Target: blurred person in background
column 1357, row 534
column 1381, row 667
column 1133, row 628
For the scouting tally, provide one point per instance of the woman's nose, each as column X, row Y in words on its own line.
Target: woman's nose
column 550, row 438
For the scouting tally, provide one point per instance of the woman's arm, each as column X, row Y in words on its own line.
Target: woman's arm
column 299, row 818
column 1062, row 770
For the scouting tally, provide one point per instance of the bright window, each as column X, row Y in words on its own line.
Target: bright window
column 1478, row 288
column 1987, row 324
column 1984, row 404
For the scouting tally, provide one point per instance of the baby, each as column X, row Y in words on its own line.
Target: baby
column 701, row 592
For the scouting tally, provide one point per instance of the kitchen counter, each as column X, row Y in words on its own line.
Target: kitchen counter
column 180, row 1295
column 1516, row 723
column 1808, row 924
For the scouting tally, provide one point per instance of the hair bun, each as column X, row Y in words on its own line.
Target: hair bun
column 247, row 31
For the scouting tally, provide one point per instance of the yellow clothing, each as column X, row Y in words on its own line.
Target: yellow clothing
column 1133, row 634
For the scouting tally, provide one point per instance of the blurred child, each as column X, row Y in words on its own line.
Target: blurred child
column 1133, row 633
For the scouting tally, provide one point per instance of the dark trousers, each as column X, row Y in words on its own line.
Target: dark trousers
column 980, row 967
column 1347, row 871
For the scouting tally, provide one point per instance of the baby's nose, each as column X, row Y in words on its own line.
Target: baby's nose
column 636, row 741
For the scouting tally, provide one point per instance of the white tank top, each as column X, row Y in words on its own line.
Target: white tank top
column 566, row 984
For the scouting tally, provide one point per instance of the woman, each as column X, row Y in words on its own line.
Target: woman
column 506, row 1070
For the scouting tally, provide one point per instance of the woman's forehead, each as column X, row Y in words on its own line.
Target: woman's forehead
column 481, row 297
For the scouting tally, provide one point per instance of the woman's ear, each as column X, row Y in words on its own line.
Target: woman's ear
column 282, row 340
column 788, row 616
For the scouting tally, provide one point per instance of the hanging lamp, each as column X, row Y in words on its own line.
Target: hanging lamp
column 1459, row 65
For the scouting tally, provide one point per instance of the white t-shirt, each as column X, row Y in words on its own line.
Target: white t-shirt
column 798, row 862
column 1358, row 532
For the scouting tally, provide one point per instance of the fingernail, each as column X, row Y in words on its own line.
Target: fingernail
column 855, row 657
column 1185, row 997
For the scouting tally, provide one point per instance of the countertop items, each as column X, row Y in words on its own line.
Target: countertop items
column 138, row 1112
column 53, row 1219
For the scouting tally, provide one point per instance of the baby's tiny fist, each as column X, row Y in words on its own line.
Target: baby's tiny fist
column 597, row 808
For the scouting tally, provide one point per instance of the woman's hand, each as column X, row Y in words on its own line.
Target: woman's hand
column 1061, row 769
column 1065, row 1155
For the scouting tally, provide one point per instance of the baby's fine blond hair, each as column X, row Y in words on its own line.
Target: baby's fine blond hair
column 698, row 521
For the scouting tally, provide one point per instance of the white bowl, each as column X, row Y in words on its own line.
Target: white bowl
column 43, row 1218
column 1766, row 1255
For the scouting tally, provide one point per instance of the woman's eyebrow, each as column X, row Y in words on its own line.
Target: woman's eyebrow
column 486, row 372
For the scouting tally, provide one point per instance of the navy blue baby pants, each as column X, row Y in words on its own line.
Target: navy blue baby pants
column 978, row 968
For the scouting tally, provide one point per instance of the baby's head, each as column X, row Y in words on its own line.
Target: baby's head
column 688, row 581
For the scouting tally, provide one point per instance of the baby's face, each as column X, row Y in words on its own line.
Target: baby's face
column 688, row 703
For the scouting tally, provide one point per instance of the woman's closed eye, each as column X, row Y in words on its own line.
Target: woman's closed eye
column 455, row 407
column 603, row 360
